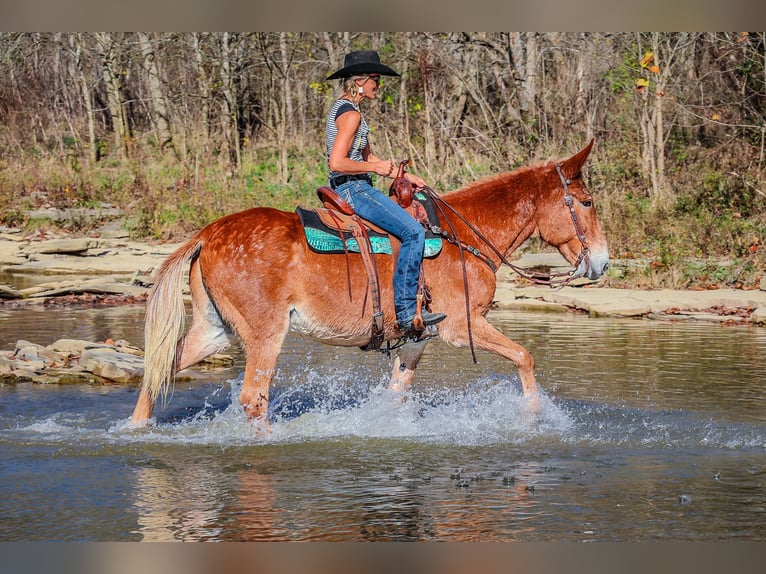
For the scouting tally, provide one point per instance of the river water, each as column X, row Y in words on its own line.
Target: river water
column 648, row 431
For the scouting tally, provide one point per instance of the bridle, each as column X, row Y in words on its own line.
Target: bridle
column 550, row 279
column 584, row 247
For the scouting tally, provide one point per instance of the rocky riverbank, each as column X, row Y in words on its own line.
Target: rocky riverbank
column 726, row 306
column 111, row 269
column 76, row 361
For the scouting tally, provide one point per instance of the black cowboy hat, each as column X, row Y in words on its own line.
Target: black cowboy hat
column 362, row 62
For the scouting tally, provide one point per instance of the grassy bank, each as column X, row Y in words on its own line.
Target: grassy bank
column 709, row 232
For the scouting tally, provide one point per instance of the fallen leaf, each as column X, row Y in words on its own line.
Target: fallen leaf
column 647, row 59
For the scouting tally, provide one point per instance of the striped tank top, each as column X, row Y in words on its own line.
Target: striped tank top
column 331, row 131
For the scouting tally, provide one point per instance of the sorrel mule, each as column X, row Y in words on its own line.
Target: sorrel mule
column 253, row 274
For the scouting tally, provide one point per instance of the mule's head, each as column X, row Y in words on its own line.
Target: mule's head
column 571, row 225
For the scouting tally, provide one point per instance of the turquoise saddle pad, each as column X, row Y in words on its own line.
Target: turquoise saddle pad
column 323, row 239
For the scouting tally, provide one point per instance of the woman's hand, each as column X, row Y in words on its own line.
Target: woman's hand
column 384, row 167
column 417, row 181
column 388, row 168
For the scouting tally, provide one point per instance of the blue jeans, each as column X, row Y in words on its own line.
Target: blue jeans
column 374, row 206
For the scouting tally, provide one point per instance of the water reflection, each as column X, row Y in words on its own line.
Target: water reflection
column 651, row 364
column 344, row 497
column 178, row 502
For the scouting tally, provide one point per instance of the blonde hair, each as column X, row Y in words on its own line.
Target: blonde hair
column 349, row 87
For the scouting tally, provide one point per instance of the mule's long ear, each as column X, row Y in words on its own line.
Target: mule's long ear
column 572, row 166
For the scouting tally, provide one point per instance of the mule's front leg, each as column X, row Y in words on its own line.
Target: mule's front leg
column 487, row 338
column 405, row 363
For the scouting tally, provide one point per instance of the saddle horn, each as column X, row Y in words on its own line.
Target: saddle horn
column 401, row 187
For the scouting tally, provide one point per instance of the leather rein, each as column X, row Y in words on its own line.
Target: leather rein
column 551, row 279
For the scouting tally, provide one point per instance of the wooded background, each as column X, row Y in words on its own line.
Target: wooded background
column 181, row 128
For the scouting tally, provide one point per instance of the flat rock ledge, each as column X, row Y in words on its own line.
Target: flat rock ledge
column 77, row 361
column 111, row 269
column 61, row 255
column 725, row 306
column 108, row 268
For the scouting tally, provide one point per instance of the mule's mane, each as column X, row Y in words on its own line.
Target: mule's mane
column 503, row 206
column 501, row 182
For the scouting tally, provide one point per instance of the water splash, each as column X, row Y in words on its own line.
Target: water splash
column 490, row 411
column 316, row 408
column 315, row 405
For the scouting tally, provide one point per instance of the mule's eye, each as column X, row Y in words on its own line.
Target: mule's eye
column 587, row 203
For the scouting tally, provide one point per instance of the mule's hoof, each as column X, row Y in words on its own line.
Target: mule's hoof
column 134, row 424
column 261, row 427
column 533, row 406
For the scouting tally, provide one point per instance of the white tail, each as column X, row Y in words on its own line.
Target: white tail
column 165, row 319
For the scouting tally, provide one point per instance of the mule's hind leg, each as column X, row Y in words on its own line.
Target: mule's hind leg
column 262, row 354
column 262, row 333
column 143, row 409
column 405, row 363
column 206, row 336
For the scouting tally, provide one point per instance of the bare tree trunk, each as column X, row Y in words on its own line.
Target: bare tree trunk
column 87, row 97
column 655, row 69
column 285, row 110
column 658, row 118
column 529, row 93
column 159, row 107
column 428, row 101
column 59, row 76
column 203, row 85
column 336, row 50
column 329, row 45
column 581, row 112
column 456, row 100
column 763, row 127
column 106, row 47
column 404, row 111
column 525, row 63
column 229, row 115
column 501, row 56
column 648, row 143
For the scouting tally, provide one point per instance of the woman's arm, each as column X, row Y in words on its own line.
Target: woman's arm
column 347, row 125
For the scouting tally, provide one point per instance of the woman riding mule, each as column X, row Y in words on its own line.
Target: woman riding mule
column 253, row 274
column 351, row 160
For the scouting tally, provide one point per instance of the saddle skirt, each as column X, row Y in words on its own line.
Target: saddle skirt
column 329, row 231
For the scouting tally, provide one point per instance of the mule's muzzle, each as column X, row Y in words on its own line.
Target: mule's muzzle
column 597, row 267
column 604, row 268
